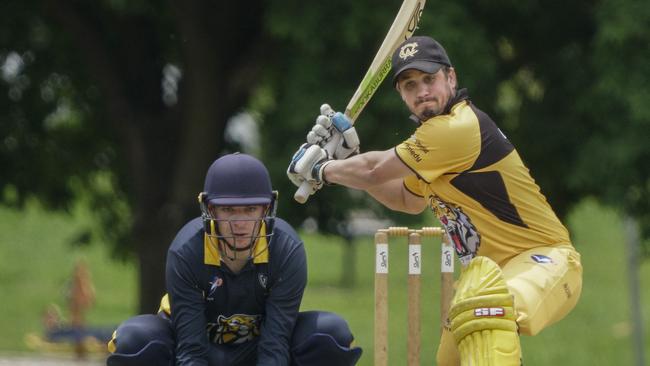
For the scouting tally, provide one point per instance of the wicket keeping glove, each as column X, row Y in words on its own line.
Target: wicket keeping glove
column 334, row 132
column 307, row 164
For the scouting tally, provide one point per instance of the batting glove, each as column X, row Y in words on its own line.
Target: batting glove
column 334, row 132
column 296, row 178
column 307, row 164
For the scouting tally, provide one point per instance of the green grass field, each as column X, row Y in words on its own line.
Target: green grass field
column 36, row 261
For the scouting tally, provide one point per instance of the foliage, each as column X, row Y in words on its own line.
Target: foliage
column 123, row 103
column 613, row 162
column 560, row 78
column 126, row 103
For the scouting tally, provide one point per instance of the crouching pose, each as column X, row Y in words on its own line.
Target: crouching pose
column 520, row 271
column 235, row 279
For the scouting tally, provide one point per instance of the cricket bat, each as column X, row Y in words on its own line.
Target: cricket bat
column 403, row 26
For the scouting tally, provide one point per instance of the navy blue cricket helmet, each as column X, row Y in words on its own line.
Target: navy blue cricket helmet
column 237, row 180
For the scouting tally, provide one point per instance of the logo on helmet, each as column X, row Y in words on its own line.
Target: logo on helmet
column 408, row 50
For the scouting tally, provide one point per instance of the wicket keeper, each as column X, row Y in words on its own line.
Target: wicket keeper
column 520, row 271
column 235, row 278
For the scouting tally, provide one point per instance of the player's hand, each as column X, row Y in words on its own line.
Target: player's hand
column 307, row 164
column 334, row 132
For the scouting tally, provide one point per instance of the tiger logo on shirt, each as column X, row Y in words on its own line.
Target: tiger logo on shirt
column 234, row 329
column 462, row 233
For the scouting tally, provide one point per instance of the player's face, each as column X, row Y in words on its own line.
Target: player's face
column 426, row 95
column 239, row 225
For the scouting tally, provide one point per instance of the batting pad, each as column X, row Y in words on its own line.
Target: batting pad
column 483, row 319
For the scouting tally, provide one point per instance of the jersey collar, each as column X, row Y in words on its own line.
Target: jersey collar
column 212, row 256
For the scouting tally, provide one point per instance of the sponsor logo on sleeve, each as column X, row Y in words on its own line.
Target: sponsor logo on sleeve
column 416, row 149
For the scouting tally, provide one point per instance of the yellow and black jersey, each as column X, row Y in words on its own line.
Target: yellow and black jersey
column 477, row 185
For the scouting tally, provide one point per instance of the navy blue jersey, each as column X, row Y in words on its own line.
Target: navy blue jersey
column 211, row 304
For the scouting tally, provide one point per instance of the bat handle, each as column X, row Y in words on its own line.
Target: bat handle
column 303, row 192
column 331, row 145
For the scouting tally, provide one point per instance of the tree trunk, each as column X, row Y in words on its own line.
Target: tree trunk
column 166, row 150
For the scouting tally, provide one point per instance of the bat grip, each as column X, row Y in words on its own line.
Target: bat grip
column 302, row 193
column 331, row 145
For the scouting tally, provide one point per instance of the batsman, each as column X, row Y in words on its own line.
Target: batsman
column 520, row 272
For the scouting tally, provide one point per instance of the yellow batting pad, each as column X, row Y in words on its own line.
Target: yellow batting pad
column 447, row 354
column 483, row 319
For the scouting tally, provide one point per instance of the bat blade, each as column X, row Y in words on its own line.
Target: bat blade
column 404, row 24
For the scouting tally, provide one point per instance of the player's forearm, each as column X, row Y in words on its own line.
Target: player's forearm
column 359, row 172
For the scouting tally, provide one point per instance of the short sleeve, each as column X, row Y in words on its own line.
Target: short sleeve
column 441, row 145
column 412, row 184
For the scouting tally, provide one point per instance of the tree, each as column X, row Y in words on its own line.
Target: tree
column 127, row 102
column 613, row 163
column 560, row 78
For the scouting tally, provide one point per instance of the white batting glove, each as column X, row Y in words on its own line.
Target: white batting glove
column 334, row 132
column 320, row 134
column 307, row 164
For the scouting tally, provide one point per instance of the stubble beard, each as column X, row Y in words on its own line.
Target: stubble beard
column 430, row 112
